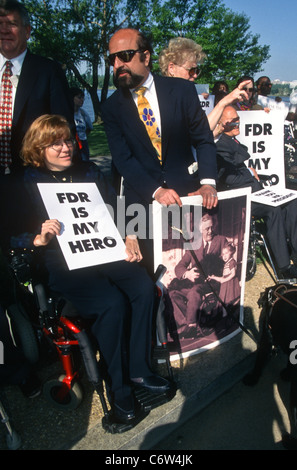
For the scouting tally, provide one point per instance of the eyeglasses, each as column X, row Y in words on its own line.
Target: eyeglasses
column 57, row 146
column 124, row 56
column 232, row 124
column 192, row 71
column 249, row 89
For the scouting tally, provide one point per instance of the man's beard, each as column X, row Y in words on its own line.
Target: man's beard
column 131, row 80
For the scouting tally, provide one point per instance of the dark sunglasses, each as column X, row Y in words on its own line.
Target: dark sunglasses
column 248, row 89
column 193, row 71
column 124, row 56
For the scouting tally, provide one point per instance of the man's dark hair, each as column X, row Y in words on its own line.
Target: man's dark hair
column 10, row 6
column 144, row 44
column 76, row 91
column 260, row 79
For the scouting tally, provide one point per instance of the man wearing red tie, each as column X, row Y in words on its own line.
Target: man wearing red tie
column 30, row 86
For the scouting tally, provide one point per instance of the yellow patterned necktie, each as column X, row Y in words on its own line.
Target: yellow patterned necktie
column 147, row 117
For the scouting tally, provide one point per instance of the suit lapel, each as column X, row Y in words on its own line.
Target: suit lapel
column 130, row 117
column 167, row 107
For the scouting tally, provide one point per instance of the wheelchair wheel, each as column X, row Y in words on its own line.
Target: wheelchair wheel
column 251, row 267
column 70, row 400
column 23, row 333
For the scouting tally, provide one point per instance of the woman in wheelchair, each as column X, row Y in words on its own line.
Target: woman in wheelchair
column 119, row 297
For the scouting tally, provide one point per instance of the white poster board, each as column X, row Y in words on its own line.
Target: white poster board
column 202, row 88
column 272, row 103
column 177, row 236
column 207, row 104
column 263, row 134
column 89, row 236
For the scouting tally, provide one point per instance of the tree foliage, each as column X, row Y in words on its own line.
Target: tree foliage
column 76, row 33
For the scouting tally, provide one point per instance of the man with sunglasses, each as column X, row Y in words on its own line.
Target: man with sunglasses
column 181, row 121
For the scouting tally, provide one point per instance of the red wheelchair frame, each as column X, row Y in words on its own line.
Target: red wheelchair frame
column 64, row 330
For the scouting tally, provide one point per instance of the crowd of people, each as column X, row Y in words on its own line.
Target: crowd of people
column 163, row 147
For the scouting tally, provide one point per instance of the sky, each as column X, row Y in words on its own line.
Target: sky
column 276, row 23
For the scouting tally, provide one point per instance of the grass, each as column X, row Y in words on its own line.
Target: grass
column 98, row 141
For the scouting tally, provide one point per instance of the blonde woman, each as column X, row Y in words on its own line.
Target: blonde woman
column 183, row 59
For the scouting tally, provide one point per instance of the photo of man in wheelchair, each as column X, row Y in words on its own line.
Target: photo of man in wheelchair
column 118, row 300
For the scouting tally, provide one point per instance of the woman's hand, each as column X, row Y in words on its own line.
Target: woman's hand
column 49, row 229
column 132, row 249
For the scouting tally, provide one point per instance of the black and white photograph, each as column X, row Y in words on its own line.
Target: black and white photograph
column 205, row 254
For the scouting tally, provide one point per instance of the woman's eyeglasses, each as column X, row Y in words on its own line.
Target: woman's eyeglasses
column 124, row 56
column 57, row 146
column 192, row 71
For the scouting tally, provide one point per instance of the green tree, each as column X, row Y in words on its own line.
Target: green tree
column 77, row 32
column 232, row 51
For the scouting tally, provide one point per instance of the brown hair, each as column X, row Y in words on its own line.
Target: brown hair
column 44, row 131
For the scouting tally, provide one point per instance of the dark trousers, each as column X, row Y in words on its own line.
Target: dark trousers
column 119, row 297
column 281, row 225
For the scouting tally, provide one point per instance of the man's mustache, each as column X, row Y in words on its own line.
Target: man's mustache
column 121, row 70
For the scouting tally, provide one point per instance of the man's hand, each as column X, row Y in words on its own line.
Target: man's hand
column 191, row 274
column 167, row 197
column 209, row 196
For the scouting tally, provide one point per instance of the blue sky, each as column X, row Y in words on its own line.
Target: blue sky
column 276, row 23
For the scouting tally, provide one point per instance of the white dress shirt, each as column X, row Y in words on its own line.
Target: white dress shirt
column 151, row 96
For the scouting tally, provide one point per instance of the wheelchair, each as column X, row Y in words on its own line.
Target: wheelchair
column 13, row 439
column 56, row 321
column 258, row 246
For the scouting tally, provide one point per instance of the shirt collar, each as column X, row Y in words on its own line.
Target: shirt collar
column 17, row 62
column 148, row 82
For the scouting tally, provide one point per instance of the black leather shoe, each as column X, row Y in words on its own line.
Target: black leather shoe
column 124, row 410
column 290, row 272
column 153, row 384
column 31, row 387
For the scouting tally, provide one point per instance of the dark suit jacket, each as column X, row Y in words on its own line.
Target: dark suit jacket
column 232, row 171
column 42, row 89
column 183, row 124
column 211, row 262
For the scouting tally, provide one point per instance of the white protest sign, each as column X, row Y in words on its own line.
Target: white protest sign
column 274, row 198
column 202, row 88
column 89, row 236
column 263, row 134
column 271, row 103
column 207, row 104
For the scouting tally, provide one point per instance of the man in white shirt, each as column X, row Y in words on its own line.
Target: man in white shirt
column 39, row 84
